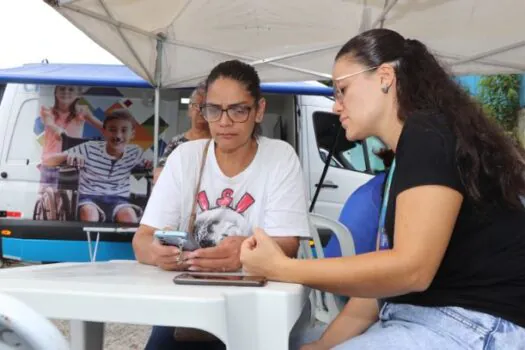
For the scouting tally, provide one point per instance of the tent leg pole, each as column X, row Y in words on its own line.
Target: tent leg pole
column 156, row 120
column 156, row 123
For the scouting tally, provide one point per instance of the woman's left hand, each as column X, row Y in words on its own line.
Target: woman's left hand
column 222, row 258
column 261, row 255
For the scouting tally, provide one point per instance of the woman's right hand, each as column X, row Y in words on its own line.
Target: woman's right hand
column 167, row 257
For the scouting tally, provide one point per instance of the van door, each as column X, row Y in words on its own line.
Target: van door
column 351, row 166
column 20, row 150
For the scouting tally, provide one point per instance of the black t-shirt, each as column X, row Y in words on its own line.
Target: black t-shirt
column 484, row 266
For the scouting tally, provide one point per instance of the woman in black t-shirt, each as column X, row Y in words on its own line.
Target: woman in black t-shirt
column 449, row 272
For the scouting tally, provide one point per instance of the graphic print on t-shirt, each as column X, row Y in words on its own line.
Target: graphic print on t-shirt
column 223, row 219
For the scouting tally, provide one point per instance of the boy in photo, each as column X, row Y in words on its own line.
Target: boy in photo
column 105, row 170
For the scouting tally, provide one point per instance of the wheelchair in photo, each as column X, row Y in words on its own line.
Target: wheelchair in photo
column 60, row 202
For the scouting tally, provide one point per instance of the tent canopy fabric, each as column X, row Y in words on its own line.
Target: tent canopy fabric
column 175, row 43
column 74, row 74
column 121, row 76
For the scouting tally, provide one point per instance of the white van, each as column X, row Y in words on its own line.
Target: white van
column 38, row 204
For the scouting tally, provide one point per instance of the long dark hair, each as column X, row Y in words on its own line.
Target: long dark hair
column 484, row 153
column 244, row 74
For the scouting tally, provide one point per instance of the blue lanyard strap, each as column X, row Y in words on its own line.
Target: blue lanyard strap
column 382, row 237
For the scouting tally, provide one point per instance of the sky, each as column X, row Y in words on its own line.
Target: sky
column 31, row 31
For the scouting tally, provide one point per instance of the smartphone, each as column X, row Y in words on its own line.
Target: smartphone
column 219, row 280
column 178, row 239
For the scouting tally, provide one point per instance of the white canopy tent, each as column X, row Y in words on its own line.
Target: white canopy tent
column 292, row 39
column 175, row 43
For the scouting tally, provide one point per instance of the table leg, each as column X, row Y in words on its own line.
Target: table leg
column 90, row 249
column 86, row 335
column 263, row 328
column 96, row 247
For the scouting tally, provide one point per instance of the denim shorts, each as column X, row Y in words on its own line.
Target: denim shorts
column 107, row 206
column 402, row 326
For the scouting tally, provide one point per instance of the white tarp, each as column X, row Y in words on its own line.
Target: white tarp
column 293, row 39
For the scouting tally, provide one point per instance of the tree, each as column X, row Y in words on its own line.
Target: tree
column 499, row 95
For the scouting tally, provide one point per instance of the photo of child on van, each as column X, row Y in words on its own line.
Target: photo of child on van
column 68, row 117
column 105, row 169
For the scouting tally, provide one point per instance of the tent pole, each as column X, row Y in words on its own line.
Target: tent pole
column 125, row 40
column 272, row 61
column 490, row 53
column 320, row 75
column 121, row 25
column 156, row 120
column 111, row 20
column 365, row 18
column 486, row 62
column 380, row 21
column 156, row 128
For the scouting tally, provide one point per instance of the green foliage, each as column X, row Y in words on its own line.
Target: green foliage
column 499, row 95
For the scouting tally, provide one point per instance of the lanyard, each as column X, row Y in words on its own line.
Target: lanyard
column 382, row 237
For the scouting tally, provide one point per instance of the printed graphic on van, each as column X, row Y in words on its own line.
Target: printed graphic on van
column 97, row 152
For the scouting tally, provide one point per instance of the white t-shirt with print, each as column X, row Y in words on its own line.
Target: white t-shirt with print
column 269, row 193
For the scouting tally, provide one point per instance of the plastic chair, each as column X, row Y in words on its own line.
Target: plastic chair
column 22, row 328
column 325, row 306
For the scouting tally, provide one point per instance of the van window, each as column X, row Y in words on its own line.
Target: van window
column 373, row 145
column 24, row 146
column 348, row 155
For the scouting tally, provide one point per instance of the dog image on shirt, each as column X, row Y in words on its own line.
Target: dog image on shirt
column 214, row 224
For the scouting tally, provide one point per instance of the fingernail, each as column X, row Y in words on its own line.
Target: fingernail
column 193, row 268
column 189, row 261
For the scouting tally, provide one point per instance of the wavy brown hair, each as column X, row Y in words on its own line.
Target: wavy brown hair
column 487, row 158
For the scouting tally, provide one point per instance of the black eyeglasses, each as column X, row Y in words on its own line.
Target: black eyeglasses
column 236, row 113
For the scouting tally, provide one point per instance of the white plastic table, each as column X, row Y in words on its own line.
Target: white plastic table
column 129, row 292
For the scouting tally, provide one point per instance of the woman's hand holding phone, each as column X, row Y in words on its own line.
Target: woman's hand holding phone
column 166, row 253
column 167, row 257
column 225, row 257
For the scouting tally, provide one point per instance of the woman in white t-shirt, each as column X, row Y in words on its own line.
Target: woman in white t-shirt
column 247, row 181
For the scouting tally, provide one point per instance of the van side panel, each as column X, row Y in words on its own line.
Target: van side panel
column 43, row 192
